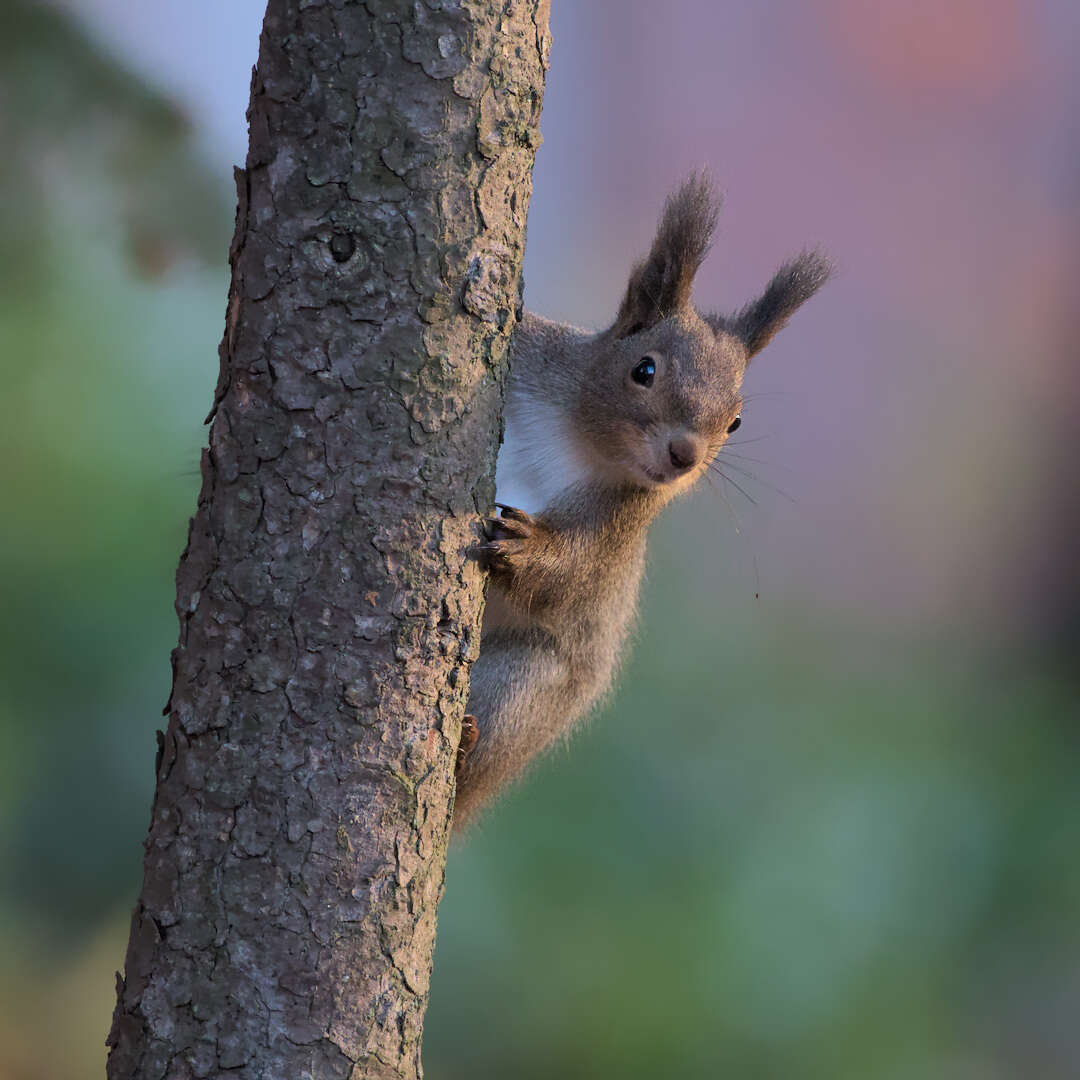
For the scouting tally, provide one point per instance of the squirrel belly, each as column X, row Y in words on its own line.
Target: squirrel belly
column 537, row 462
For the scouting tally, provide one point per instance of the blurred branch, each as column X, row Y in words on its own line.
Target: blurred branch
column 71, row 117
column 328, row 610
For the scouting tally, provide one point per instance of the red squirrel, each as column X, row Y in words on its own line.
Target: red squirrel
column 602, row 431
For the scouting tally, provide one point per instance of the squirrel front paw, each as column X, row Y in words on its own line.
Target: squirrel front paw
column 509, row 537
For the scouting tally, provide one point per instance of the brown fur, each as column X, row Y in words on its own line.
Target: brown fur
column 661, row 283
column 565, row 580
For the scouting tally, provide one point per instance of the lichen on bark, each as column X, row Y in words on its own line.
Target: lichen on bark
column 328, row 608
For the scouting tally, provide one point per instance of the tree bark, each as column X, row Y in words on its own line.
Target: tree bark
column 328, row 609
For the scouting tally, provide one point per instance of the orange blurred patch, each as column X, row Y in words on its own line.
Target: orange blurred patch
column 975, row 48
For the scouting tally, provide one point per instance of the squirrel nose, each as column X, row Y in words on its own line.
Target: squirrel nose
column 684, row 452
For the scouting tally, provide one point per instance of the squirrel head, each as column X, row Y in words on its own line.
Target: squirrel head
column 660, row 392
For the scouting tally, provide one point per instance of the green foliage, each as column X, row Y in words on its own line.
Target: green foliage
column 91, row 151
column 772, row 858
column 105, row 374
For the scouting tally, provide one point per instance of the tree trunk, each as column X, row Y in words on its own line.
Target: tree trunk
column 328, row 610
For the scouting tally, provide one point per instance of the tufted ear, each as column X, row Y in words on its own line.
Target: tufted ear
column 661, row 283
column 792, row 285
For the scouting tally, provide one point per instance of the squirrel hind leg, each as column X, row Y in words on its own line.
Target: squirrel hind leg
column 522, row 698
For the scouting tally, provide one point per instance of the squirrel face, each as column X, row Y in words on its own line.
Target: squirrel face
column 660, row 390
column 656, row 406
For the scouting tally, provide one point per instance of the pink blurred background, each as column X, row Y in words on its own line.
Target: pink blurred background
column 917, row 410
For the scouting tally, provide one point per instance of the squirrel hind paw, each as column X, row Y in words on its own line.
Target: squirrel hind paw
column 470, row 734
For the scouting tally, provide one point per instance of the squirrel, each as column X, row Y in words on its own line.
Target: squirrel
column 602, row 430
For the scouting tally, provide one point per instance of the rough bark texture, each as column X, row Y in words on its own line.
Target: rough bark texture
column 328, row 610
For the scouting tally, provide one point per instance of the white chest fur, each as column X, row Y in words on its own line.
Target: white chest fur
column 538, row 460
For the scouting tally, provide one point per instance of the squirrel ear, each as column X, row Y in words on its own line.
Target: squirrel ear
column 792, row 285
column 662, row 282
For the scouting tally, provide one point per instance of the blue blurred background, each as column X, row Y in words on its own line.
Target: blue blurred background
column 829, row 825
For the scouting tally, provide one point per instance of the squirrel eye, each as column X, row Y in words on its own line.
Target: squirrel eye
column 734, row 425
column 644, row 373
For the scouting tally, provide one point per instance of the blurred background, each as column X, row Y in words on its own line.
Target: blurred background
column 829, row 825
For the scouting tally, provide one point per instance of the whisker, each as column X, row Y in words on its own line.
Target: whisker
column 742, row 491
column 769, row 393
column 747, row 442
column 758, row 480
column 727, row 501
column 709, row 476
column 756, row 461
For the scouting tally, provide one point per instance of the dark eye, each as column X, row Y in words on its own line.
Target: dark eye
column 644, row 373
column 734, row 425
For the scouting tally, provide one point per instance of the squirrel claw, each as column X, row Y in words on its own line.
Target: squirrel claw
column 509, row 538
column 508, row 528
column 512, row 513
column 496, row 554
